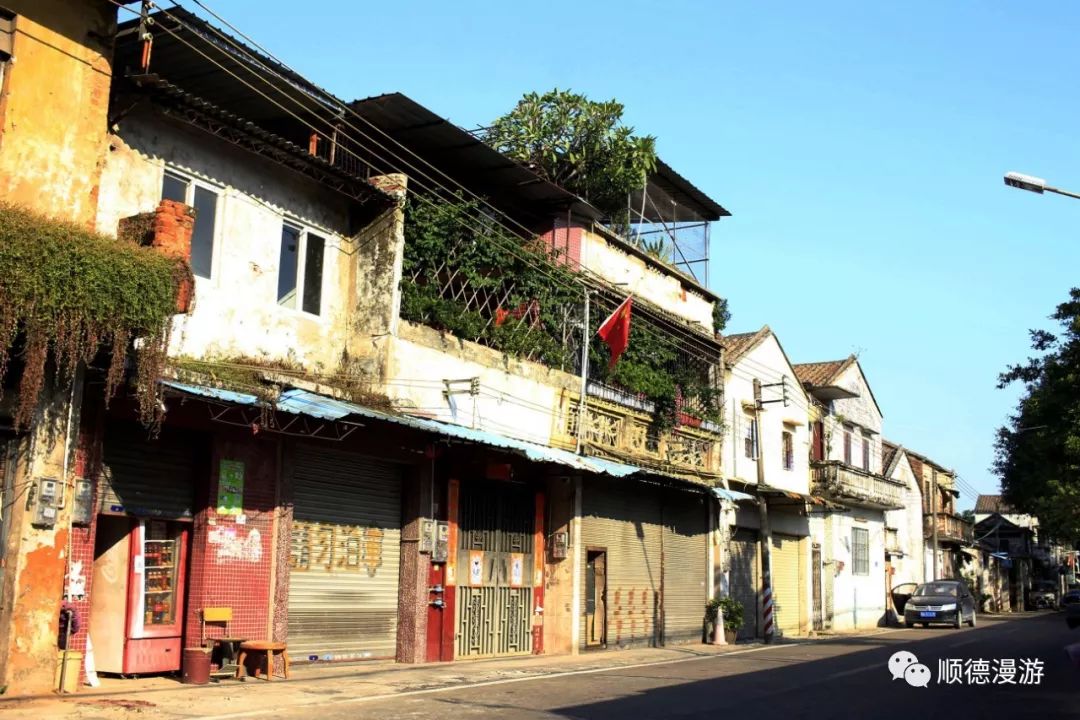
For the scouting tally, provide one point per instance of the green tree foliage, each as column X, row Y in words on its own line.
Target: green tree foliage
column 578, row 144
column 66, row 293
column 1037, row 454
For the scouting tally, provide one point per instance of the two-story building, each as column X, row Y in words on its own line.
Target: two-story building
column 846, row 467
column 945, row 532
column 1011, row 537
column 766, row 455
column 904, row 548
column 387, row 428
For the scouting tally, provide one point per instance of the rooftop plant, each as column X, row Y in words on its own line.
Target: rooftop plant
column 579, row 144
column 466, row 275
column 67, row 292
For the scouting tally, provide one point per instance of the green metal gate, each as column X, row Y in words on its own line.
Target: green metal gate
column 495, row 569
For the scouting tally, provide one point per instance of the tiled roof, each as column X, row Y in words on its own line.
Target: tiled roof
column 991, row 504
column 738, row 344
column 820, row 373
column 888, row 454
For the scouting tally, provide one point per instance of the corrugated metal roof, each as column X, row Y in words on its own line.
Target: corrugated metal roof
column 302, row 402
column 733, row 495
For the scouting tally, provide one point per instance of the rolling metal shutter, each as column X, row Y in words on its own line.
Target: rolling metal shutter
column 149, row 477
column 789, row 582
column 686, row 555
column 744, row 578
column 346, row 538
column 624, row 520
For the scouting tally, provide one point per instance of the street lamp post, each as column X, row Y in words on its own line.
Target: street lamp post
column 1034, row 184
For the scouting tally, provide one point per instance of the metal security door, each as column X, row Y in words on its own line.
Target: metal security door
column 744, row 578
column 686, row 552
column 495, row 569
column 346, row 541
column 788, row 578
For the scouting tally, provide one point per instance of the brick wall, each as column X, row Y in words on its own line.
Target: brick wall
column 564, row 243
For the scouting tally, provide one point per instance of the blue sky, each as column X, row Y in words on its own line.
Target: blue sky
column 860, row 147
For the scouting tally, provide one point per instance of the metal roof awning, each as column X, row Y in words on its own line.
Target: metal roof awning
column 303, row 403
column 733, row 495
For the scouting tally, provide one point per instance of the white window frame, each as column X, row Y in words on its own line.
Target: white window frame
column 189, row 200
column 301, row 267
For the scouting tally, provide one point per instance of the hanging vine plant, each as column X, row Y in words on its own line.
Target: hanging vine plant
column 67, row 293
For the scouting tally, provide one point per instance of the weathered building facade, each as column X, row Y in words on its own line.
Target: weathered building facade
column 846, row 468
column 766, row 454
column 361, row 455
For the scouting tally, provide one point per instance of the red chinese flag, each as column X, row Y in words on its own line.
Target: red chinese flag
column 615, row 331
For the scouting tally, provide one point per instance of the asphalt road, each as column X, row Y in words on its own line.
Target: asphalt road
column 840, row 678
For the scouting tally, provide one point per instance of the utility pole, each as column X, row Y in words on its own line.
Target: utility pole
column 765, row 534
column 583, row 407
column 933, row 517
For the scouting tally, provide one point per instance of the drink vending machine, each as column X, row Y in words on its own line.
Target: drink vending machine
column 137, row 616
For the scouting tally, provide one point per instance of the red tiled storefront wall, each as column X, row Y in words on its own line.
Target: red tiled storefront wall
column 232, row 554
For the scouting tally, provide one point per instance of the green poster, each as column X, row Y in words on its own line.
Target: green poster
column 230, row 488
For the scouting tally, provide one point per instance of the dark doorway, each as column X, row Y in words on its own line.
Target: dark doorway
column 596, row 598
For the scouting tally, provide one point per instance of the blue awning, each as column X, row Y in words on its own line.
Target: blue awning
column 302, row 402
column 733, row 495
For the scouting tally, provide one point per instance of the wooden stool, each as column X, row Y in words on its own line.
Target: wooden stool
column 270, row 648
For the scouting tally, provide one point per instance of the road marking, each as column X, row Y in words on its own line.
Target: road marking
column 855, row 671
column 488, row 683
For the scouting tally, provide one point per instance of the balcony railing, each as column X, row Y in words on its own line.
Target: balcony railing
column 627, row 433
column 845, row 483
column 950, row 527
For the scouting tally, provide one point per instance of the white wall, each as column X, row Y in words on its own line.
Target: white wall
column 860, row 411
column 236, row 313
column 908, row 522
column 516, row 398
column 664, row 290
column 767, row 363
column 858, row 600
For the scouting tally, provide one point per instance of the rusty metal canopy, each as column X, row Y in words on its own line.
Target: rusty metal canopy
column 470, row 162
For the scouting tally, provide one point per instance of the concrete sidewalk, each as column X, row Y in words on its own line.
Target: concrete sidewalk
column 165, row 697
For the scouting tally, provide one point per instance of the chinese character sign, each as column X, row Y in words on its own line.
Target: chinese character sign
column 230, row 488
column 903, row 665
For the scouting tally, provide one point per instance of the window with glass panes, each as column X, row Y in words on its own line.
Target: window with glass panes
column 300, row 269
column 204, row 200
column 860, row 551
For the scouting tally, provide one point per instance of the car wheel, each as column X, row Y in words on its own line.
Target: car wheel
column 959, row 619
column 971, row 622
column 925, row 625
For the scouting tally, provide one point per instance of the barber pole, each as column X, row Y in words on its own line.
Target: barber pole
column 767, row 612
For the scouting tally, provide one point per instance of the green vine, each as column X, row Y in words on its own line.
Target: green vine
column 493, row 268
column 455, row 258
column 67, row 293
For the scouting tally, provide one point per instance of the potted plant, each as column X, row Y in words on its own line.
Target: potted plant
column 733, row 616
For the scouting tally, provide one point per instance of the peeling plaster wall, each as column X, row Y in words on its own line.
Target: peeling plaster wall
column 33, row 580
column 664, row 290
column 236, row 312
column 860, row 410
column 516, row 398
column 54, row 106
